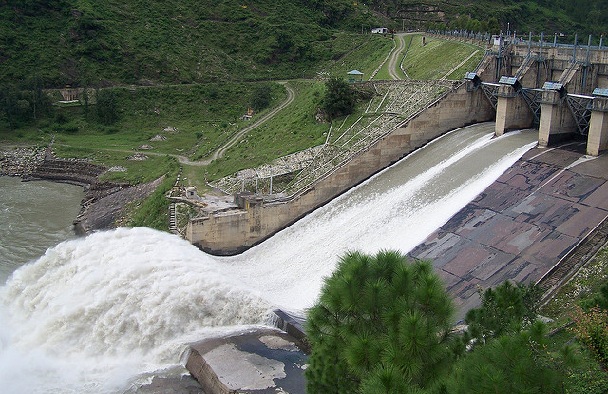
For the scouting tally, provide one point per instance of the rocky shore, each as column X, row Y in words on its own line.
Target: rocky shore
column 20, row 161
column 104, row 202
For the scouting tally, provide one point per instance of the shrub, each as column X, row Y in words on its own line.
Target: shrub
column 591, row 329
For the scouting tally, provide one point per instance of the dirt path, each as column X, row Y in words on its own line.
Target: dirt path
column 393, row 61
column 220, row 152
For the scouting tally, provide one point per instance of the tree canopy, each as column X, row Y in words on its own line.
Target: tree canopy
column 339, row 100
column 381, row 324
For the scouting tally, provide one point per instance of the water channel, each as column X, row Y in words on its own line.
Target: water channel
column 97, row 314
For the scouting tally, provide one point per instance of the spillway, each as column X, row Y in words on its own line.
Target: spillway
column 102, row 313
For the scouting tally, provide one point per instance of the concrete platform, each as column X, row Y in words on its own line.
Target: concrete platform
column 522, row 225
column 261, row 360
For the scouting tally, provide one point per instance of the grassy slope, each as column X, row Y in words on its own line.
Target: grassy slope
column 206, row 115
column 588, row 377
column 422, row 62
column 181, row 41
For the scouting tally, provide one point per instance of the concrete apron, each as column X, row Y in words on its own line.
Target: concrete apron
column 264, row 360
column 520, row 227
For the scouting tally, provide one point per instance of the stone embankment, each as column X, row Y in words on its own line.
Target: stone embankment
column 20, row 161
column 104, row 203
column 72, row 171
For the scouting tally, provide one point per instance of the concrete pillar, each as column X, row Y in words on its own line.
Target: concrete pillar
column 512, row 112
column 556, row 120
column 597, row 139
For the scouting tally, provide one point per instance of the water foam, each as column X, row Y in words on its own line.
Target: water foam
column 118, row 301
column 289, row 269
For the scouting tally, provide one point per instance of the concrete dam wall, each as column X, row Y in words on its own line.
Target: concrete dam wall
column 235, row 230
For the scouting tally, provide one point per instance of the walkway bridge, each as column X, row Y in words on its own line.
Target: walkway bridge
column 559, row 89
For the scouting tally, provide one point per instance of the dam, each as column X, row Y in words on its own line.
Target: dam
column 560, row 90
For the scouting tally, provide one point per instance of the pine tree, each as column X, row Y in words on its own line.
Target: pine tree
column 381, row 325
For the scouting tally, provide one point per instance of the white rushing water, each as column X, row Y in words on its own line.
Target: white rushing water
column 93, row 314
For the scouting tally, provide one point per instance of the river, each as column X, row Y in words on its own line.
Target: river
column 34, row 216
column 102, row 314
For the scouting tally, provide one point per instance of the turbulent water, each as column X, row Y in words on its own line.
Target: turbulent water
column 94, row 315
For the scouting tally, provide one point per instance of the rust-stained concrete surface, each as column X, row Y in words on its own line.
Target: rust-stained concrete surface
column 521, row 225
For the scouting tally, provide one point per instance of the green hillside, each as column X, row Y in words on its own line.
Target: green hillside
column 568, row 17
column 103, row 43
column 80, row 42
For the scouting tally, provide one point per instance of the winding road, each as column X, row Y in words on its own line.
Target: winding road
column 393, row 62
column 235, row 138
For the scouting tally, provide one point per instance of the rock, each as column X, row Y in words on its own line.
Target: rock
column 137, row 157
column 20, row 161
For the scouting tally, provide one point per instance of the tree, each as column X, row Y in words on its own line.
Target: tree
column 510, row 347
column 507, row 308
column 261, row 97
column 513, row 363
column 339, row 98
column 107, row 107
column 381, row 325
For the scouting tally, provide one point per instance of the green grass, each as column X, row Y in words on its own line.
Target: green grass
column 383, row 73
column 588, row 377
column 154, row 211
column 194, row 120
column 435, row 59
column 291, row 130
column 586, row 282
column 175, row 41
column 364, row 56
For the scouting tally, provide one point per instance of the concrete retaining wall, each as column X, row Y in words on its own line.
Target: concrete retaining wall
column 232, row 232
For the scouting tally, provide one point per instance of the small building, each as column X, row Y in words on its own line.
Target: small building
column 380, row 30
column 248, row 115
column 70, row 94
column 191, row 193
column 355, row 76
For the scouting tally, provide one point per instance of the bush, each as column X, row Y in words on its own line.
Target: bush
column 506, row 309
column 339, row 98
column 591, row 329
column 107, row 107
column 261, row 97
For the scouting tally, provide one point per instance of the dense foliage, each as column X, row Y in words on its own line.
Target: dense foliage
column 517, row 362
column 549, row 16
column 509, row 347
column 505, row 309
column 81, row 43
column 339, row 98
column 381, row 325
column 84, row 43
